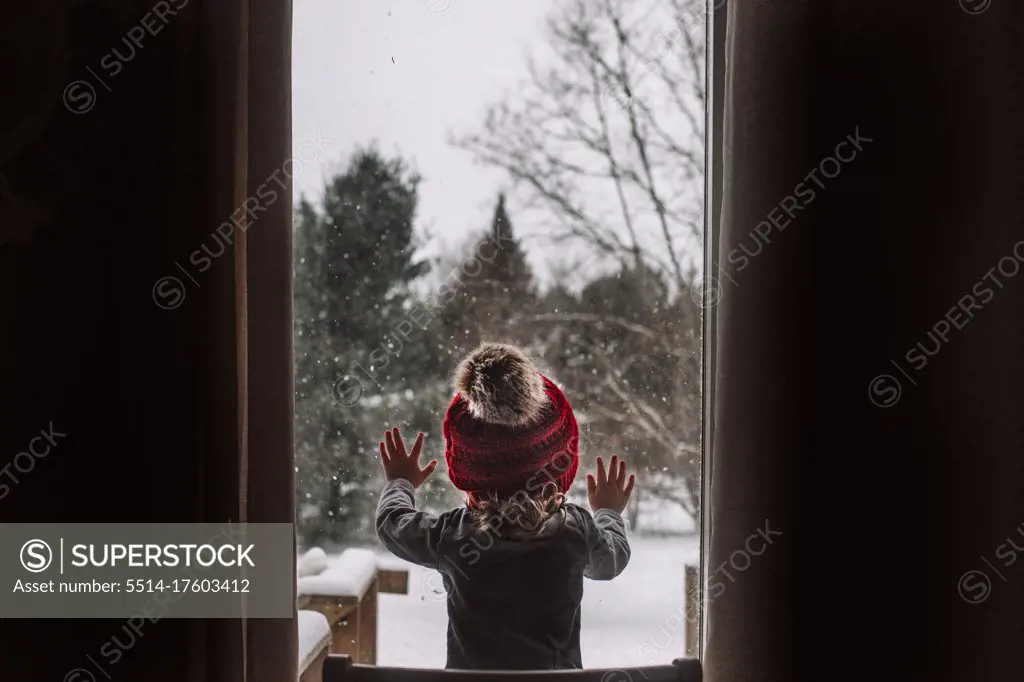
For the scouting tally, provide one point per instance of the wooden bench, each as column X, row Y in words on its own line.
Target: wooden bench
column 346, row 594
column 314, row 645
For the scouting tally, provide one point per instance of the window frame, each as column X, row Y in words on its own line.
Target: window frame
column 717, row 21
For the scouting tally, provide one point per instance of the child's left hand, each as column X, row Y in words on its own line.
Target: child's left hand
column 398, row 464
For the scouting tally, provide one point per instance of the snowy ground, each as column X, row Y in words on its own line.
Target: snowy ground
column 630, row 621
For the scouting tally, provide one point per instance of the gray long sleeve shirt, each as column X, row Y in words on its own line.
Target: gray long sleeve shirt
column 513, row 604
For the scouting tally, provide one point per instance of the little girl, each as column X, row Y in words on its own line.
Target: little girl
column 514, row 557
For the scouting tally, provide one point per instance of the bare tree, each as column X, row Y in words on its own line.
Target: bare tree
column 606, row 145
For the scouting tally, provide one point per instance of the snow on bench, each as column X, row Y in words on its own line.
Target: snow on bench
column 312, row 562
column 346, row 592
column 350, row 576
column 314, row 637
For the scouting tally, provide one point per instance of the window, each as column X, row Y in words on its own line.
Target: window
column 528, row 172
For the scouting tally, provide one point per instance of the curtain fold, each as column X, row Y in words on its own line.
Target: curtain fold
column 145, row 292
column 868, row 354
column 272, row 652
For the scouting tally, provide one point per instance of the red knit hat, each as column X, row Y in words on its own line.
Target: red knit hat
column 509, row 428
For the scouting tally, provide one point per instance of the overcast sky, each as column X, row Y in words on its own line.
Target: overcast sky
column 395, row 72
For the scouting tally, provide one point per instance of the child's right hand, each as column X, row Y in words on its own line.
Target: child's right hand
column 610, row 491
column 400, row 464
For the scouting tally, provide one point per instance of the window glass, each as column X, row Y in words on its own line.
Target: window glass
column 526, row 172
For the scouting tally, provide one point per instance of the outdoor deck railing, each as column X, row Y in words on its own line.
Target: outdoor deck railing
column 345, row 594
column 338, row 608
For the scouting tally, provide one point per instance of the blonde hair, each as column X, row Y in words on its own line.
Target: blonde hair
column 522, row 511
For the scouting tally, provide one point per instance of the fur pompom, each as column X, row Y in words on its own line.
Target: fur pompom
column 501, row 385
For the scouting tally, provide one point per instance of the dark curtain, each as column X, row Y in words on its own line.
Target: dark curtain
column 869, row 376
column 132, row 132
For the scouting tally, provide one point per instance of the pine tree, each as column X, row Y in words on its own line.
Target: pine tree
column 354, row 264
column 368, row 216
column 506, row 276
column 308, row 256
column 496, row 289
